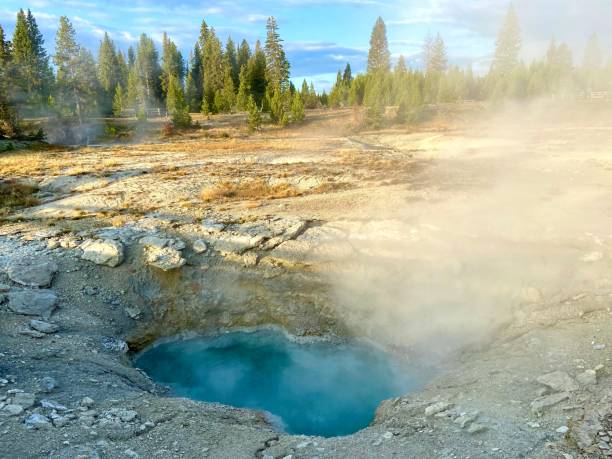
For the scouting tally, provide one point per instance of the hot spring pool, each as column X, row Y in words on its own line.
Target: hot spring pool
column 318, row 388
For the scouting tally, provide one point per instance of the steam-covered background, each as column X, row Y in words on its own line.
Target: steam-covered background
column 321, row 36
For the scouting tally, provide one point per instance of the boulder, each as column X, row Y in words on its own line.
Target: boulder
column 542, row 403
column 33, row 302
column 37, row 421
column 32, row 272
column 105, row 252
column 199, row 246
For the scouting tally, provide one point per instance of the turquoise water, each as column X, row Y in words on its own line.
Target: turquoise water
column 319, row 388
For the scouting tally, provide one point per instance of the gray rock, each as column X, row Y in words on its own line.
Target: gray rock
column 437, row 408
column 24, row 399
column 32, row 272
column 37, row 421
column 465, row 419
column 587, row 378
column 476, row 428
column 133, row 312
column 114, row 345
column 12, row 409
column 47, row 384
column 33, row 302
column 155, row 242
column 212, row 226
column 4, row 288
column 105, row 252
column 542, row 403
column 43, row 327
column 559, row 381
column 87, row 402
column 31, row 333
column 199, row 246
column 52, row 405
column 165, row 259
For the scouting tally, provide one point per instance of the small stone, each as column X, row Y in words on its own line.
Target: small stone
column 250, row 259
column 37, row 421
column 387, row 435
column 199, row 246
column 558, row 381
column 89, row 290
column 47, row 384
column 43, row 327
column 437, row 408
column 60, row 421
column 562, row 430
column 475, row 428
column 87, row 402
column 13, row 410
column 4, row 288
column 166, row 259
column 599, row 347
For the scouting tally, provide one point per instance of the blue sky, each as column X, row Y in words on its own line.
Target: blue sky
column 322, row 35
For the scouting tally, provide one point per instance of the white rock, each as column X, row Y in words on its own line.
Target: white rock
column 87, row 402
column 103, row 252
column 562, row 430
column 165, row 259
column 199, row 246
column 52, row 405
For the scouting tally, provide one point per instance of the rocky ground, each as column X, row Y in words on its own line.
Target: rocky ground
column 481, row 251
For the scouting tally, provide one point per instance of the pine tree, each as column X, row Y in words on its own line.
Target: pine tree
column 191, row 89
column 435, row 52
column 122, row 69
column 244, row 54
column 254, row 115
column 244, row 90
column 347, row 76
column 277, row 64
column 118, row 101
column 131, row 58
column 108, row 70
column 196, row 84
column 149, row 72
column 379, row 56
column 9, row 124
column 77, row 79
column 32, row 75
column 213, row 69
column 297, row 108
column 278, row 105
column 228, row 95
column 175, row 103
column 374, row 99
column 231, row 59
column 256, row 74
column 593, row 58
column 172, row 63
column 508, row 45
column 134, row 93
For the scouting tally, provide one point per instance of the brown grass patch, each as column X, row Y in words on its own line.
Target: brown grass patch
column 14, row 195
column 248, row 190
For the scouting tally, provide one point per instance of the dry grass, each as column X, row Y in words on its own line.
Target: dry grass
column 14, row 195
column 248, row 190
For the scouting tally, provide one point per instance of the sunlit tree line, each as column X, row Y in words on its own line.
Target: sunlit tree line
column 555, row 75
column 215, row 78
